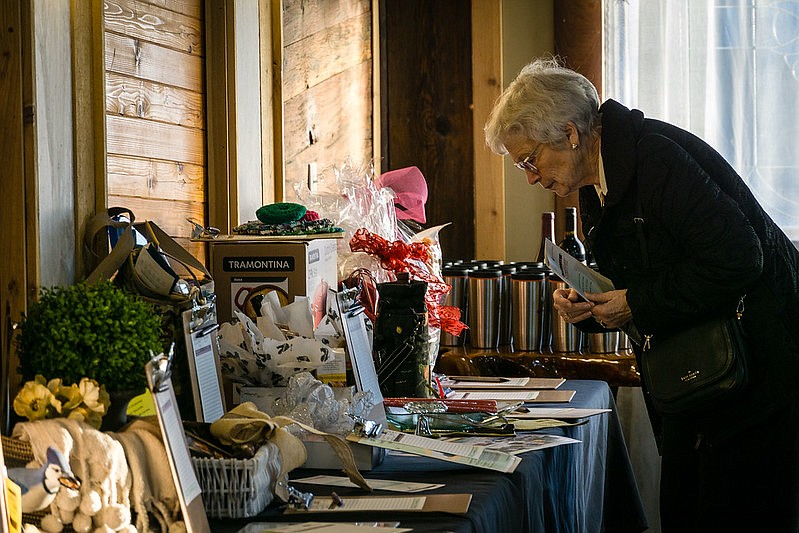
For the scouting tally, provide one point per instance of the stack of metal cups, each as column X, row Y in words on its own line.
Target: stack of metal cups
column 457, row 276
column 506, row 309
column 566, row 338
column 528, row 297
column 484, row 305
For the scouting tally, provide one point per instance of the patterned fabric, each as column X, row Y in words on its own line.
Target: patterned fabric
column 297, row 227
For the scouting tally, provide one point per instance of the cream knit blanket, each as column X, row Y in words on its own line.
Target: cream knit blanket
column 114, row 468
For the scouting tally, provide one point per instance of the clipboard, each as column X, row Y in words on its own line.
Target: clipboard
column 202, row 351
column 359, row 349
column 457, row 503
column 187, row 486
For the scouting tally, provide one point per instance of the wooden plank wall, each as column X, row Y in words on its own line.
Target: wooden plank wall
column 327, row 86
column 13, row 267
column 155, row 112
column 428, row 115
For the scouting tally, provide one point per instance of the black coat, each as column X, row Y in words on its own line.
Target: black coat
column 708, row 241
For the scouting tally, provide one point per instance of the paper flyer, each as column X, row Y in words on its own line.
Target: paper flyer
column 577, row 275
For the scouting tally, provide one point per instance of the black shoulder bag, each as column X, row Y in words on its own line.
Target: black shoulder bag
column 692, row 371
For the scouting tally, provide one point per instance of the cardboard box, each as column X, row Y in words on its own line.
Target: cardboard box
column 246, row 269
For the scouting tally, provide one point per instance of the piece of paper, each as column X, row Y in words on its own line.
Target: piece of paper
column 518, row 396
column 556, row 412
column 369, row 503
column 439, row 449
column 518, row 444
column 206, row 368
column 319, row 527
column 176, row 445
column 453, row 382
column 377, row 484
column 359, row 347
column 577, row 275
column 434, row 503
column 488, row 383
column 206, row 380
column 553, row 396
column 177, row 449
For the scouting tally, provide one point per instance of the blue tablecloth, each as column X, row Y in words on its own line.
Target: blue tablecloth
column 583, row 487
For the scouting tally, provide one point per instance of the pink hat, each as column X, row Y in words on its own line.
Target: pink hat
column 411, row 189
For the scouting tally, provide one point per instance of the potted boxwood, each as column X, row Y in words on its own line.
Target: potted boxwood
column 97, row 331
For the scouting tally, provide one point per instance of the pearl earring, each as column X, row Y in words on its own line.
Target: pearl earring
column 574, row 146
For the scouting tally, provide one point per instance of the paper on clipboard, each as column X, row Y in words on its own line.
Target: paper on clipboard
column 177, row 449
column 203, row 359
column 577, row 275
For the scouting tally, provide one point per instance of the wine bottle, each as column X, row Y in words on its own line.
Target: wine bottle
column 547, row 232
column 571, row 243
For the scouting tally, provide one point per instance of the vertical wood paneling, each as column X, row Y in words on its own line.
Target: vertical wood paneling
column 578, row 40
column 217, row 117
column 489, row 180
column 88, row 88
column 429, row 118
column 53, row 128
column 13, row 282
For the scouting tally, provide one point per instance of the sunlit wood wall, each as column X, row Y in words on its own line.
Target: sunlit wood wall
column 327, row 86
column 155, row 116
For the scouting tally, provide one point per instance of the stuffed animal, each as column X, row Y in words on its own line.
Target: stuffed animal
column 39, row 486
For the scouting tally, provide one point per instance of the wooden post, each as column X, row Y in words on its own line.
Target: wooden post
column 578, row 41
column 13, row 268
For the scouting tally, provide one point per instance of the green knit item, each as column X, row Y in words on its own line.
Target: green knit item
column 280, row 213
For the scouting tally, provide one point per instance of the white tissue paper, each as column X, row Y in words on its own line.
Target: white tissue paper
column 279, row 344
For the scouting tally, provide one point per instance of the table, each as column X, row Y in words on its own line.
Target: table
column 581, row 487
column 617, row 369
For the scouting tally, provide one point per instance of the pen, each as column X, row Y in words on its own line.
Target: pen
column 486, row 379
column 205, row 330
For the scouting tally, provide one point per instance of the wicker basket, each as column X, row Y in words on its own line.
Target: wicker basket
column 238, row 488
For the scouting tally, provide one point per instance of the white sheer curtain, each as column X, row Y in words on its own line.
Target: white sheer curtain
column 728, row 71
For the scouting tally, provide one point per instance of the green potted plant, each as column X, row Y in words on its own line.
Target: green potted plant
column 97, row 331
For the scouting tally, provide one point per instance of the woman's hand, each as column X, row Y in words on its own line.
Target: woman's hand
column 610, row 308
column 571, row 306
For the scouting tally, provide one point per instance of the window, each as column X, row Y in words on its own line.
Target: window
column 726, row 70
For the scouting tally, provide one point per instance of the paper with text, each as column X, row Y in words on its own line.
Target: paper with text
column 438, row 449
column 577, row 275
column 519, row 396
column 377, row 484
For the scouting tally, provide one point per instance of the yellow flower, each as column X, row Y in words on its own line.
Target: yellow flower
column 35, row 401
column 95, row 398
column 70, row 396
column 88, row 416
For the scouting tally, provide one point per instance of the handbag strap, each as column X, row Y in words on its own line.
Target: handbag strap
column 638, row 219
column 126, row 242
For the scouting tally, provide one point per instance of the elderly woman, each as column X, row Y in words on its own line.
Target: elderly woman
column 707, row 243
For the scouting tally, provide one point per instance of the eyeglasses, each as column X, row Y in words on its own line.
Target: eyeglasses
column 528, row 163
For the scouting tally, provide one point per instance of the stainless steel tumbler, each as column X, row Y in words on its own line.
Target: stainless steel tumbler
column 565, row 337
column 458, row 278
column 485, row 302
column 527, row 293
column 625, row 345
column 506, row 309
column 606, row 342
